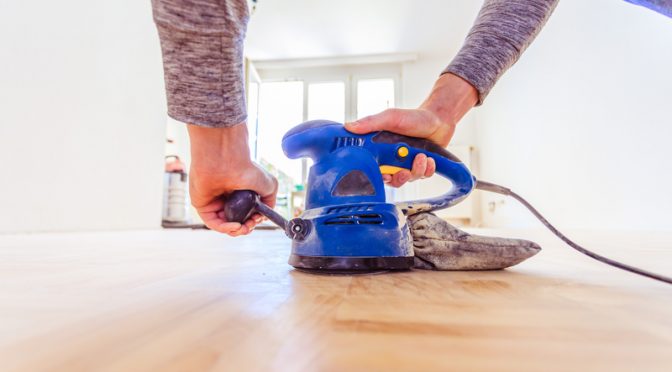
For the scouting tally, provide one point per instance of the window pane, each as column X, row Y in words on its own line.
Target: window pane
column 280, row 109
column 374, row 96
column 326, row 101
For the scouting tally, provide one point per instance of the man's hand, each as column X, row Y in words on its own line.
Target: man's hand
column 451, row 98
column 220, row 164
column 416, row 123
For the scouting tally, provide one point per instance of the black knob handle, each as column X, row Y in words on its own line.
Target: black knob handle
column 240, row 205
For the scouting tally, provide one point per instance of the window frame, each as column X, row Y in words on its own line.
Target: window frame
column 350, row 75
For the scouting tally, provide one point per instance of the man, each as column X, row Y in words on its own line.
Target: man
column 202, row 44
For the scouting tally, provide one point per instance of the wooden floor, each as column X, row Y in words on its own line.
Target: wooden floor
column 197, row 300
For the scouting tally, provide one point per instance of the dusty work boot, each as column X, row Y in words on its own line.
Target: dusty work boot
column 440, row 246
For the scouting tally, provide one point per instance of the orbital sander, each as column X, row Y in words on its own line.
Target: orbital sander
column 349, row 227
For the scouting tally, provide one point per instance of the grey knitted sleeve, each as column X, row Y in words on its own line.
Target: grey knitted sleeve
column 202, row 47
column 502, row 31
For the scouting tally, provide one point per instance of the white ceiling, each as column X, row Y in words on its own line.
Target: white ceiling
column 289, row 29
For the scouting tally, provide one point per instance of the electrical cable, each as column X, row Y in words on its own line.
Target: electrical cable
column 491, row 187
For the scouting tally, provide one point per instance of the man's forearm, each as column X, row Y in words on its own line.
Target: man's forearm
column 502, row 31
column 202, row 47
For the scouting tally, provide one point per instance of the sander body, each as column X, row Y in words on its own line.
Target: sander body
column 348, row 226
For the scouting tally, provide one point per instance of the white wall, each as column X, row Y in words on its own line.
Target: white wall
column 582, row 124
column 82, row 116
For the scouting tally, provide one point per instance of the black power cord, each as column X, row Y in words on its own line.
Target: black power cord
column 491, row 187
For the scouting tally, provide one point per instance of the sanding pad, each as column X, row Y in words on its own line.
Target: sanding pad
column 349, row 265
column 341, row 272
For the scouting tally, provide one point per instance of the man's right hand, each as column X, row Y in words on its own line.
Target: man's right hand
column 450, row 99
column 220, row 164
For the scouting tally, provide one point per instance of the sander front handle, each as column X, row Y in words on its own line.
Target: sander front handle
column 240, row 205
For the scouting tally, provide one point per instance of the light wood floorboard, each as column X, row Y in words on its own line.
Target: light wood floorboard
column 197, row 300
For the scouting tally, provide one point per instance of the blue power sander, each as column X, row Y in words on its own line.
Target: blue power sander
column 348, row 227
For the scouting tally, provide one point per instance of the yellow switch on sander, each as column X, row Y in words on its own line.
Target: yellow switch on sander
column 402, row 152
